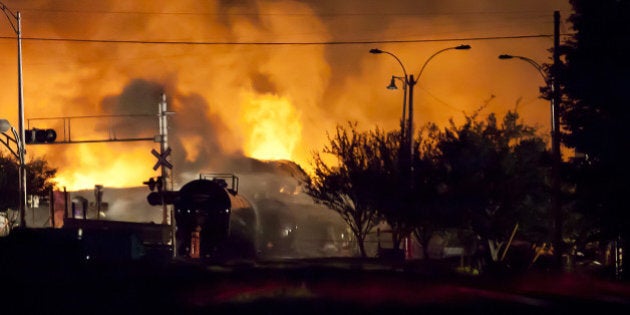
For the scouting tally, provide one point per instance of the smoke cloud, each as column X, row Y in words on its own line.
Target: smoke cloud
column 235, row 104
column 251, row 82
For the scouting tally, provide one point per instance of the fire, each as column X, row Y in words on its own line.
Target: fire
column 267, row 102
column 102, row 164
column 275, row 127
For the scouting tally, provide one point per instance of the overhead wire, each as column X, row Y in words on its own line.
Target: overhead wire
column 320, row 14
column 486, row 17
column 284, row 43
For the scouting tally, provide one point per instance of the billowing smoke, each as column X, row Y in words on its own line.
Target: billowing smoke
column 245, row 91
column 195, row 132
column 256, row 80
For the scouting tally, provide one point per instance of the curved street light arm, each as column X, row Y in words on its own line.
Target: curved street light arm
column 399, row 62
column 531, row 62
column 460, row 47
column 536, row 65
column 379, row 51
column 9, row 14
column 429, row 59
column 554, row 124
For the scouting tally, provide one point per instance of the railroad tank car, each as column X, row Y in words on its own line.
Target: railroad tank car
column 214, row 221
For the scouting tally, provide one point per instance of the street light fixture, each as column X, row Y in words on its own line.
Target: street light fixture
column 392, row 86
column 5, row 125
column 410, row 82
column 16, row 24
column 392, row 83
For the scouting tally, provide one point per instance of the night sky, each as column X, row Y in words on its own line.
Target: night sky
column 261, row 79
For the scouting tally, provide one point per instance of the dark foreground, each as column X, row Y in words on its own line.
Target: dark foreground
column 300, row 287
column 49, row 279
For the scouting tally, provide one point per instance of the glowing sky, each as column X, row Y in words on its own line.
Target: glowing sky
column 264, row 79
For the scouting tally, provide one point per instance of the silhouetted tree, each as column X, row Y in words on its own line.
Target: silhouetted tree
column 348, row 187
column 392, row 195
column 39, row 177
column 595, row 112
column 494, row 176
column 429, row 214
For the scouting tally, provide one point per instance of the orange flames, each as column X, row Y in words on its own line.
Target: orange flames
column 111, row 164
column 270, row 125
column 274, row 128
column 262, row 101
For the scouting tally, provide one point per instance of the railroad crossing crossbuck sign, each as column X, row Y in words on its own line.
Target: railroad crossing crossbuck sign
column 162, row 159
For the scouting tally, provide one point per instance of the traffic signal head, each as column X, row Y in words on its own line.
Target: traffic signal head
column 39, row 136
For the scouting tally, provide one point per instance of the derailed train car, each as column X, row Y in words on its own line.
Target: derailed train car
column 214, row 221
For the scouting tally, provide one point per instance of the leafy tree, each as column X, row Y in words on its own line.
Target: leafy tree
column 392, row 195
column 39, row 179
column 348, row 187
column 595, row 112
column 375, row 177
column 494, row 176
column 427, row 192
column 481, row 176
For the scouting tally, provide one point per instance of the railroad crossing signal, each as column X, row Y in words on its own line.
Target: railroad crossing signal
column 162, row 159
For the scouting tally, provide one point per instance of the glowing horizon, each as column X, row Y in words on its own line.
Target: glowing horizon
column 265, row 101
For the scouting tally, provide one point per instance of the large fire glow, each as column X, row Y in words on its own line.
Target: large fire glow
column 260, row 79
column 275, row 128
column 118, row 168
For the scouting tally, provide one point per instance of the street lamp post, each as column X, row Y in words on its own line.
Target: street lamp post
column 16, row 24
column 555, row 153
column 410, row 82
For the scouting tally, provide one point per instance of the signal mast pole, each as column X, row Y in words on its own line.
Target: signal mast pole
column 163, row 126
column 167, row 181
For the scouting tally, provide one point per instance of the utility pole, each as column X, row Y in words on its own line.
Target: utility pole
column 556, row 204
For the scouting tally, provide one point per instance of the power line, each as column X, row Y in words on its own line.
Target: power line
column 320, row 14
column 312, row 43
